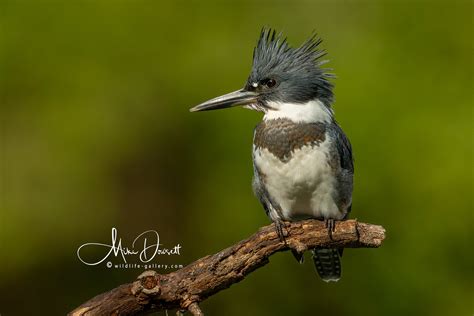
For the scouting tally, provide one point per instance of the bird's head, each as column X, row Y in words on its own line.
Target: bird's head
column 281, row 75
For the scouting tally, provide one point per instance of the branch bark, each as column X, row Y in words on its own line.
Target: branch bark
column 185, row 288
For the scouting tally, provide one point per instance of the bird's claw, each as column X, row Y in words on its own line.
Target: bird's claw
column 331, row 226
column 280, row 228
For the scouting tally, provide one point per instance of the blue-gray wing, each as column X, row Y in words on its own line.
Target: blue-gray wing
column 344, row 149
column 344, row 168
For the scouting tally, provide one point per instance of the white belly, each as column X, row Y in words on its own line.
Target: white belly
column 304, row 186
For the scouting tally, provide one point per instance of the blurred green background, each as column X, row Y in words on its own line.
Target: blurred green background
column 96, row 133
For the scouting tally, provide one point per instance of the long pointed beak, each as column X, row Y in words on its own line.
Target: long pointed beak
column 240, row 97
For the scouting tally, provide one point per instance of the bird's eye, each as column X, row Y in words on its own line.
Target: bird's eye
column 270, row 83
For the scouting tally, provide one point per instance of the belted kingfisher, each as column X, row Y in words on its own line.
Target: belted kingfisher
column 303, row 166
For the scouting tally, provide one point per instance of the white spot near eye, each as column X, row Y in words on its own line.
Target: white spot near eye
column 255, row 84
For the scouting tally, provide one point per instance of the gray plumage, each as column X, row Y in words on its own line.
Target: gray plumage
column 302, row 160
column 283, row 137
column 301, row 80
column 298, row 70
column 283, row 143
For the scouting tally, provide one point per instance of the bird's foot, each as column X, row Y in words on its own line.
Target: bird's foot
column 330, row 225
column 281, row 230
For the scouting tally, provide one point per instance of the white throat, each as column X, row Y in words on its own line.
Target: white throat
column 312, row 111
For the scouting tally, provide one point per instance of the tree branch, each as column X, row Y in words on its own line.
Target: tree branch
column 185, row 288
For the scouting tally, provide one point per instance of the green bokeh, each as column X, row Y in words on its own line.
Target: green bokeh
column 96, row 133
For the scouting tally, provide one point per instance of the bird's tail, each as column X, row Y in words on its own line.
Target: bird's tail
column 328, row 264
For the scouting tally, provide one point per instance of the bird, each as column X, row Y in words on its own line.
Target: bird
column 302, row 160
